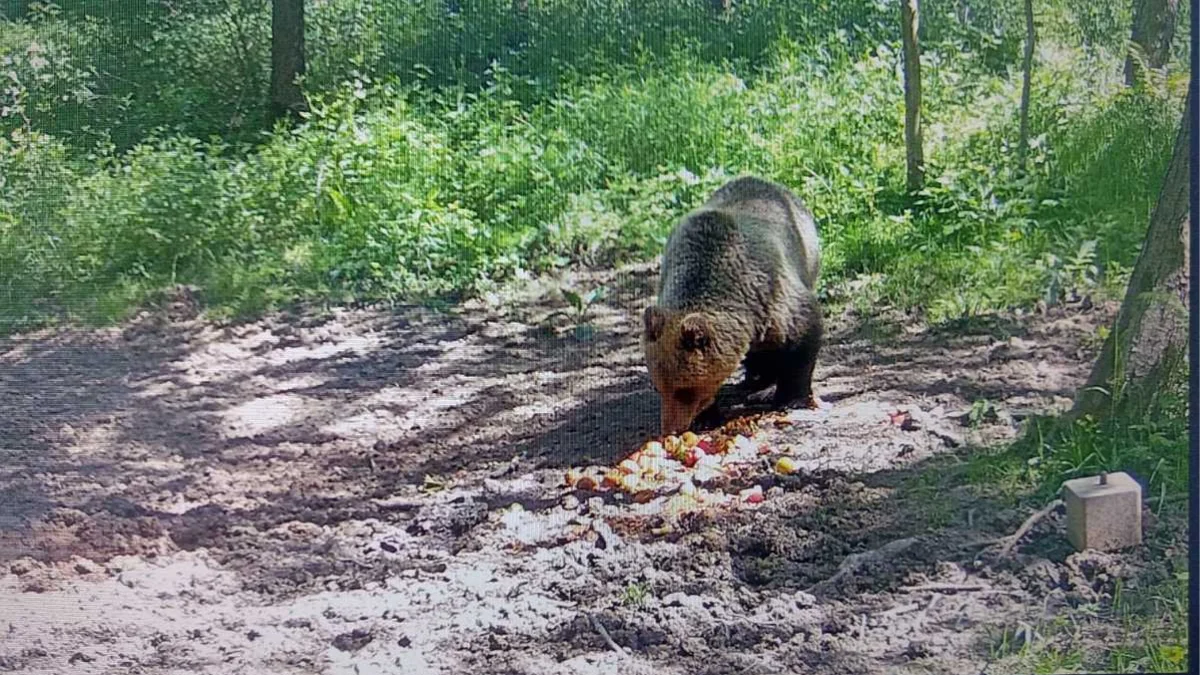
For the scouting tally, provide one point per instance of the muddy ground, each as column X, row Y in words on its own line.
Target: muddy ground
column 380, row 490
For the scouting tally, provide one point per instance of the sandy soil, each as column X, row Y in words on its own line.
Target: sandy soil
column 369, row 491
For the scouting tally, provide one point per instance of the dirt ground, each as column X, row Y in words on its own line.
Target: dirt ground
column 381, row 490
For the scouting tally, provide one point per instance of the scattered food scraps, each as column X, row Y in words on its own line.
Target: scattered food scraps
column 689, row 470
column 752, row 495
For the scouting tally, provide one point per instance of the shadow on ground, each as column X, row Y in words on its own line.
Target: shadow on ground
column 174, row 416
column 318, row 454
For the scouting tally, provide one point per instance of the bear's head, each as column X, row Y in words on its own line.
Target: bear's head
column 689, row 354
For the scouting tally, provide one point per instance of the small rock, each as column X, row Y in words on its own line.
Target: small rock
column 606, row 538
column 404, row 641
column 79, row 657
column 680, row 599
column 353, row 641
column 805, row 600
column 917, row 649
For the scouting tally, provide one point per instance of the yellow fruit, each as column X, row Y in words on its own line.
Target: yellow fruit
column 786, row 466
column 689, row 439
column 654, row 449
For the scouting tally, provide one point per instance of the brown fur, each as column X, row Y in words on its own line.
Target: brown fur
column 736, row 286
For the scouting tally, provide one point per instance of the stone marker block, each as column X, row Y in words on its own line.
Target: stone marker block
column 1103, row 512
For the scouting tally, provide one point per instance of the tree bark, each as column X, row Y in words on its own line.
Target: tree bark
column 1149, row 339
column 1027, row 67
column 1153, row 30
column 287, row 57
column 909, row 24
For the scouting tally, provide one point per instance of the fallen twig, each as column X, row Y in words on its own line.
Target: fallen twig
column 956, row 588
column 1011, row 541
column 1168, row 499
column 944, row 588
column 856, row 560
column 599, row 628
column 925, row 612
column 900, row 609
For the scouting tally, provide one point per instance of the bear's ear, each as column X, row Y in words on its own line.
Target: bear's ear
column 654, row 320
column 695, row 333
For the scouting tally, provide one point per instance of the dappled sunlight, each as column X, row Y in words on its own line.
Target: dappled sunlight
column 267, row 413
column 372, row 396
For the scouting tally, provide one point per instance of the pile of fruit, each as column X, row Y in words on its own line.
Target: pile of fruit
column 698, row 468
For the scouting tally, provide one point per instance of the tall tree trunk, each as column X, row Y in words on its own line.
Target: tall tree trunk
column 287, row 57
column 909, row 24
column 1149, row 339
column 1027, row 67
column 1153, row 31
column 518, row 35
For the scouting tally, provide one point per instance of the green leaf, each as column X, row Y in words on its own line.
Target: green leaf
column 573, row 298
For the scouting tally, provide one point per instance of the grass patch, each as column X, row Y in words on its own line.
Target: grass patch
column 407, row 193
column 1152, row 449
column 1141, row 629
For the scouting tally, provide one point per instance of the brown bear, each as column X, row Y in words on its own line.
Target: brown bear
column 736, row 287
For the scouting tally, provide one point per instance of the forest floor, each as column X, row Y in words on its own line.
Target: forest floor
column 382, row 490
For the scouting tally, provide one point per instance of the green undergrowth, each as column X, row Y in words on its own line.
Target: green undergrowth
column 395, row 191
column 1141, row 629
column 1150, row 444
column 1141, row 624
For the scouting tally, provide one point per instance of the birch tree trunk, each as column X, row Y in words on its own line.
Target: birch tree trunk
column 1027, row 68
column 909, row 25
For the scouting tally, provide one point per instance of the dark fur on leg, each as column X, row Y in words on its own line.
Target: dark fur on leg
column 797, row 366
column 760, row 370
column 709, row 418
